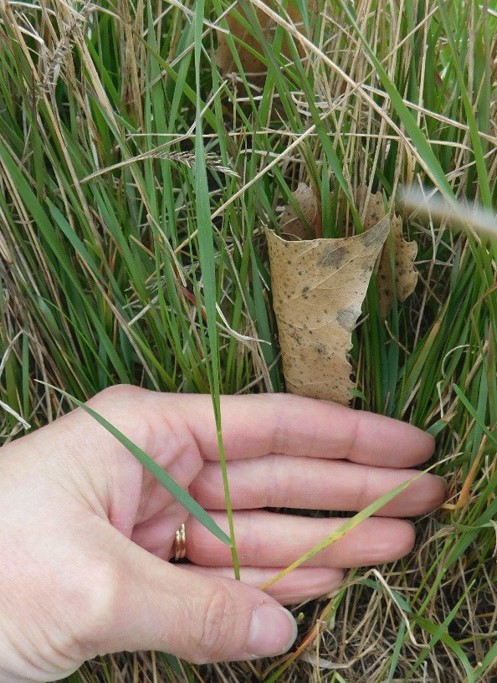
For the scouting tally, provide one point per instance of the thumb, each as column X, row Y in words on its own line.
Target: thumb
column 154, row 605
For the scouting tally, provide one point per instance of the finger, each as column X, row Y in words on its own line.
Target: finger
column 266, row 539
column 300, row 585
column 257, row 425
column 157, row 533
column 315, row 484
column 280, row 423
column 140, row 602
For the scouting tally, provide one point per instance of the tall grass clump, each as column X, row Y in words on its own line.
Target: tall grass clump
column 135, row 180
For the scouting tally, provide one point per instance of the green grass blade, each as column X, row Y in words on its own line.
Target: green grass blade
column 439, row 632
column 483, row 184
column 157, row 472
column 207, row 260
column 350, row 524
column 409, row 122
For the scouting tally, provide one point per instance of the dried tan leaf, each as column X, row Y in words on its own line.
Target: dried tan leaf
column 291, row 224
column 252, row 65
column 318, row 289
column 402, row 281
column 370, row 206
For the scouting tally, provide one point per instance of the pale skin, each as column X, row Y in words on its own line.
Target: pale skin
column 86, row 535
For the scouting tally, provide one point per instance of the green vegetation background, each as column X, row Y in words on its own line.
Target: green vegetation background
column 135, row 180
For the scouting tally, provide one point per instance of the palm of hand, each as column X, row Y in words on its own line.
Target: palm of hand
column 87, row 530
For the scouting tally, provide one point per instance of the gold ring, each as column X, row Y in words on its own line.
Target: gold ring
column 179, row 546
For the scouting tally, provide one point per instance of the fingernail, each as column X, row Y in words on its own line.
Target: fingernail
column 272, row 631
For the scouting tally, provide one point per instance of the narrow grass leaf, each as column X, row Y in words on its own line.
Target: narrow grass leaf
column 342, row 531
column 475, row 415
column 157, row 472
column 439, row 632
column 409, row 122
column 207, row 261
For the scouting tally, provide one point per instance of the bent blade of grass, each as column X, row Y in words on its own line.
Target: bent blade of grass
column 474, row 414
column 157, row 472
column 15, row 414
column 439, row 632
column 350, row 524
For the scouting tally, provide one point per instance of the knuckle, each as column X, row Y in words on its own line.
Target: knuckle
column 94, row 597
column 118, row 393
column 280, row 434
column 124, row 406
column 363, row 492
column 215, row 632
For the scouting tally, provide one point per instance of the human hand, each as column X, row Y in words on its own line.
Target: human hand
column 86, row 532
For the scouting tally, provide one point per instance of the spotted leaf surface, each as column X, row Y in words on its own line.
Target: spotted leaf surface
column 318, row 289
column 397, row 274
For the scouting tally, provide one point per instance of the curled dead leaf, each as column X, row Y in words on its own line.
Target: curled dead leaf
column 249, row 47
column 306, row 223
column 318, row 289
column 370, row 206
column 402, row 279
